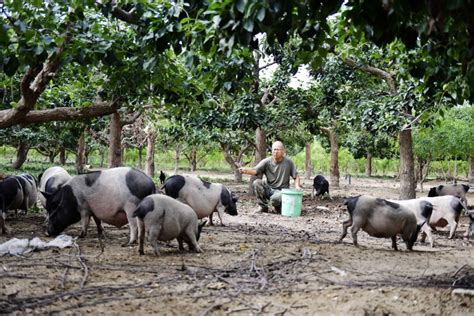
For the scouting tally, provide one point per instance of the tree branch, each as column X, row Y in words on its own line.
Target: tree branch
column 66, row 114
column 130, row 119
column 33, row 83
column 376, row 72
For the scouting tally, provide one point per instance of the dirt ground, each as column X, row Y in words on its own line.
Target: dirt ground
column 256, row 264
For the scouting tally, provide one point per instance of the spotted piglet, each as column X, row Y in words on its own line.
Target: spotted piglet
column 164, row 218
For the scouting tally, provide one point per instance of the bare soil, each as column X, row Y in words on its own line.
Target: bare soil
column 259, row 263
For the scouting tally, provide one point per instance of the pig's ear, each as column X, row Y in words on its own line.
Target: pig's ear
column 202, row 224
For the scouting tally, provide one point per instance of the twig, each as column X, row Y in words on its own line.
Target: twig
column 66, row 270
column 83, row 264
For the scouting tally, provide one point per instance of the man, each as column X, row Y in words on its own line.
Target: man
column 277, row 169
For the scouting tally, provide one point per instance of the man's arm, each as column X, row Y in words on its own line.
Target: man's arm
column 250, row 171
column 297, row 182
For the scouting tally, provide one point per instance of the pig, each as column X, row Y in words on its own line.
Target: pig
column 446, row 211
column 203, row 197
column 422, row 210
column 51, row 180
column 11, row 198
column 470, row 230
column 320, row 185
column 163, row 219
column 380, row 218
column 110, row 195
column 162, row 177
column 30, row 191
column 452, row 189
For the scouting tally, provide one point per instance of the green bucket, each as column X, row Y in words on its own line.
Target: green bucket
column 291, row 201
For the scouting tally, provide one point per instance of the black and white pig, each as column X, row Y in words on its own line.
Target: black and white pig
column 11, row 198
column 422, row 210
column 163, row 219
column 320, row 186
column 30, row 191
column 380, row 218
column 458, row 190
column 110, row 195
column 204, row 197
column 51, row 180
column 446, row 211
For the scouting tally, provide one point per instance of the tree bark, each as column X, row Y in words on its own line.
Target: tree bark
column 308, row 167
column 407, row 174
column 150, row 154
column 115, row 135
column 368, row 165
column 62, row 156
column 81, row 154
column 334, row 164
column 21, row 155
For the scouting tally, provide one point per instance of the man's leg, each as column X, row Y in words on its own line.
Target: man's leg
column 263, row 193
column 275, row 201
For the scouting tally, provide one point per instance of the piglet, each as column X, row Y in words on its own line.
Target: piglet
column 164, row 218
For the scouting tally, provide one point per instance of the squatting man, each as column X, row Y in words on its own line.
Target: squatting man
column 277, row 170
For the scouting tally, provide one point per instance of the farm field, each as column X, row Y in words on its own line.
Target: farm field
column 255, row 264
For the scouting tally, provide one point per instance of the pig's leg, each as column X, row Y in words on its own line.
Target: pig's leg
column 426, row 231
column 354, row 229
column 210, row 219
column 192, row 243
column 220, row 212
column 153, row 234
column 85, row 219
column 345, row 226
column 180, row 243
column 2, row 223
column 100, row 229
column 394, row 242
column 141, row 235
column 132, row 222
column 453, row 225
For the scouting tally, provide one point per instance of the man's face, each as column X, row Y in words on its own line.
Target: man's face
column 277, row 152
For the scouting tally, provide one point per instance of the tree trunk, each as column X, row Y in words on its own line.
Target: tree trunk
column 471, row 168
column 334, row 169
column 192, row 158
column 102, row 156
column 407, row 174
column 81, row 154
column 62, row 156
column 368, row 165
column 232, row 162
column 177, row 152
column 308, row 167
column 334, row 164
column 140, row 158
column 115, row 135
column 21, row 155
column 260, row 152
column 150, row 154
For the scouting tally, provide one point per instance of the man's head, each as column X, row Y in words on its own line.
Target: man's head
column 278, row 151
